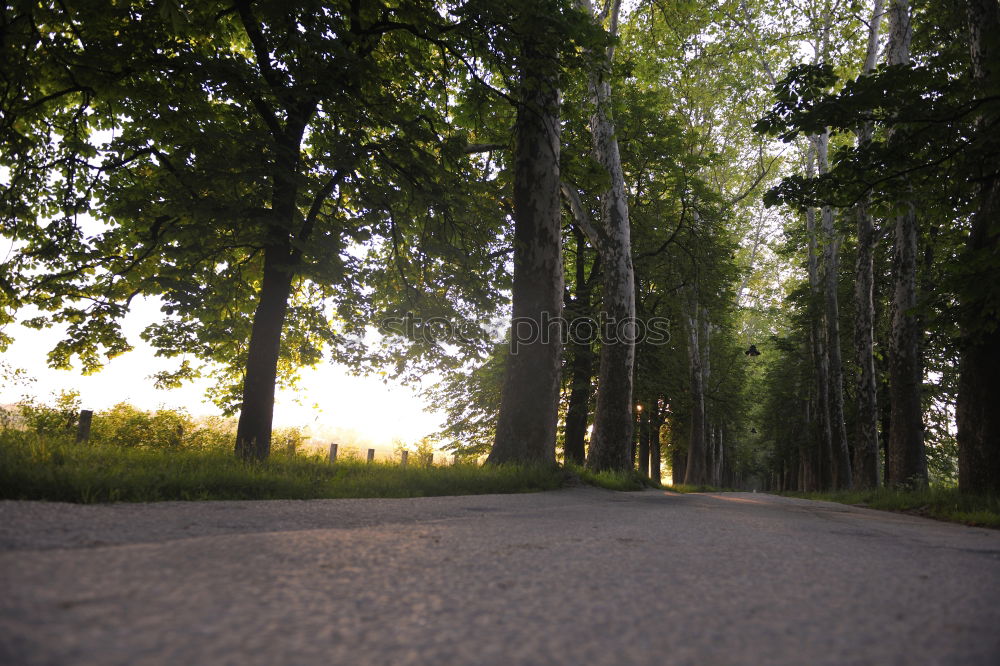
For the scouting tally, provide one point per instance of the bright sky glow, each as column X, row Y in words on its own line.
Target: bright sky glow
column 335, row 406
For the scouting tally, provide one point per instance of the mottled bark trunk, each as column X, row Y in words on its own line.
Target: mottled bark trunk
column 841, row 473
column 610, row 444
column 821, row 361
column 695, row 472
column 906, row 462
column 866, row 458
column 581, row 366
column 253, row 432
column 526, row 426
column 979, row 381
column 866, row 449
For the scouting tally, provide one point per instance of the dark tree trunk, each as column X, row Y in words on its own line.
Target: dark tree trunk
column 654, row 449
column 253, row 433
column 526, row 426
column 905, row 460
column 644, row 427
column 979, row 380
column 678, row 465
column 581, row 366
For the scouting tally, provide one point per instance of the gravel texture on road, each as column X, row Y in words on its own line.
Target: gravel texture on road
column 577, row 576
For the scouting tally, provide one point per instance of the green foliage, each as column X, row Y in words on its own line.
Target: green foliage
column 50, row 468
column 57, row 419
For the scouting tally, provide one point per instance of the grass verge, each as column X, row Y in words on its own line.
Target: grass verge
column 623, row 481
column 681, row 488
column 37, row 468
column 940, row 502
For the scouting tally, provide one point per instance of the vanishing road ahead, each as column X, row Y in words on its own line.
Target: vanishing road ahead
column 580, row 576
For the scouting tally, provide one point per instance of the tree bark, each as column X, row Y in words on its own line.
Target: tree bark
column 654, row 448
column 821, row 360
column 831, row 274
column 526, row 426
column 253, row 432
column 644, row 429
column 906, row 461
column 866, row 459
column 695, row 473
column 581, row 367
column 610, row 443
column 979, row 379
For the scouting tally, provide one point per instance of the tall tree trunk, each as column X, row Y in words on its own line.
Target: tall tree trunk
column 654, row 448
column 581, row 366
column 610, row 443
column 526, row 426
column 644, row 428
column 831, row 276
column 821, row 360
column 253, row 432
column 906, row 462
column 866, row 458
column 678, row 466
column 979, row 379
column 695, row 474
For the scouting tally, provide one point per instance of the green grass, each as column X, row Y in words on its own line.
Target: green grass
column 38, row 468
column 623, row 481
column 681, row 488
column 943, row 503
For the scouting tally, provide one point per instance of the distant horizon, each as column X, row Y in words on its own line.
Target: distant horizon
column 328, row 399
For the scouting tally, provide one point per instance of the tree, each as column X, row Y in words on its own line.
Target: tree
column 610, row 442
column 254, row 145
column 978, row 418
column 526, row 426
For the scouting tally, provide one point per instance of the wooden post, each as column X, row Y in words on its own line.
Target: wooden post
column 403, row 458
column 333, row 453
column 430, row 459
column 371, row 455
column 455, row 460
column 83, row 427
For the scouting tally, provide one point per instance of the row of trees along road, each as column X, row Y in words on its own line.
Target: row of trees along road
column 797, row 199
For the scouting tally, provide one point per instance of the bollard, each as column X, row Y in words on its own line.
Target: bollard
column 371, row 455
column 455, row 460
column 403, row 457
column 333, row 453
column 83, row 427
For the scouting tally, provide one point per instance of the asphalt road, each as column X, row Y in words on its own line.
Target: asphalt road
column 579, row 576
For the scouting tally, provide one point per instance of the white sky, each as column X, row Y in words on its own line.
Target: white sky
column 362, row 410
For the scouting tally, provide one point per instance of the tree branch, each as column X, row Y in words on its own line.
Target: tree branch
column 580, row 218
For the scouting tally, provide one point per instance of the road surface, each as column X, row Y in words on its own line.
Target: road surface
column 578, row 576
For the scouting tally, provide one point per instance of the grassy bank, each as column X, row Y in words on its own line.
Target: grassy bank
column 942, row 503
column 55, row 468
column 623, row 481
